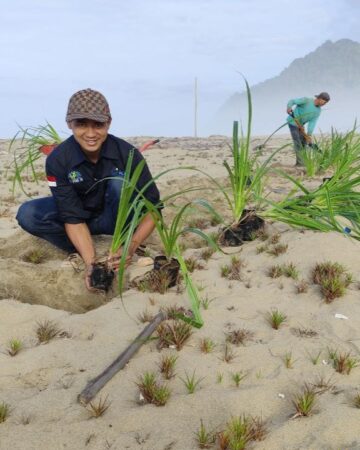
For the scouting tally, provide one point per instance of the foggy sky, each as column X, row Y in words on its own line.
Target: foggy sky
column 144, row 55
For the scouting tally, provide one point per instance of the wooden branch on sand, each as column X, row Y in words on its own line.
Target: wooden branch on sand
column 94, row 386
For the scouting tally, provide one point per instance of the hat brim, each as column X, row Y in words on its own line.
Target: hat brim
column 96, row 117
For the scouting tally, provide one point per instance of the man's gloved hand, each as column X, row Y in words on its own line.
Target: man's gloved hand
column 289, row 110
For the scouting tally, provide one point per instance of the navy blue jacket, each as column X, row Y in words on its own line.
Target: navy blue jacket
column 74, row 180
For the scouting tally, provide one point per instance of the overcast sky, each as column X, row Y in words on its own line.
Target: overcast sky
column 144, row 55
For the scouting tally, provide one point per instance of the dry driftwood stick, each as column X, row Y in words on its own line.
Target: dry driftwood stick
column 94, row 386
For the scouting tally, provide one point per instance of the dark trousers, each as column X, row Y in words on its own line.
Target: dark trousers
column 299, row 142
column 40, row 217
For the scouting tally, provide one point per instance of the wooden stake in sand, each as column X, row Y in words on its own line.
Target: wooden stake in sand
column 94, row 386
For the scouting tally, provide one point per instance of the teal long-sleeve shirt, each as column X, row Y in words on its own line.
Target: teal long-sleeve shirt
column 305, row 112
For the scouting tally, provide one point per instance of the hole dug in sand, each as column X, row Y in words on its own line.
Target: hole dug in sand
column 37, row 273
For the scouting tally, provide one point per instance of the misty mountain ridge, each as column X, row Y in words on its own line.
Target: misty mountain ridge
column 333, row 67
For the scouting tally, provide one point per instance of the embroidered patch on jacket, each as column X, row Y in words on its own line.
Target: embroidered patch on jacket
column 51, row 181
column 75, row 176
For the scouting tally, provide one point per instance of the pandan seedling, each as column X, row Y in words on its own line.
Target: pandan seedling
column 344, row 363
column 152, row 391
column 324, row 207
column 207, row 253
column 204, row 438
column 290, row 271
column 326, row 270
column 332, row 289
column 4, row 411
column 302, row 287
column 233, row 271
column 225, row 271
column 237, row 377
column 98, row 409
column 247, row 177
column 198, row 222
column 314, row 358
column 229, row 354
column 33, row 140
column 46, row 331
column 236, row 433
column 167, row 366
column 357, row 401
column 173, row 334
column 172, row 311
column 332, row 278
column 276, row 318
column 205, row 302
column 258, row 430
column 14, row 346
column 277, row 249
column 154, row 281
column 192, row 264
column 145, row 316
column 239, row 336
column 332, row 355
column 322, row 385
column 191, row 383
column 134, row 204
column 275, row 271
column 239, row 431
column 161, row 395
column 223, row 440
column 288, row 361
column 262, row 235
column 262, row 248
column 311, row 160
column 275, row 238
column 207, row 345
column 219, row 377
column 169, row 235
column 304, row 402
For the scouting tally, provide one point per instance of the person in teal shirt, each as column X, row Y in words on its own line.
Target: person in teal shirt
column 304, row 110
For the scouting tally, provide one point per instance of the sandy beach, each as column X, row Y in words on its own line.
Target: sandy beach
column 42, row 382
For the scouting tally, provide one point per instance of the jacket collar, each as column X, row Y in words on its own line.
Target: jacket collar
column 109, row 150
